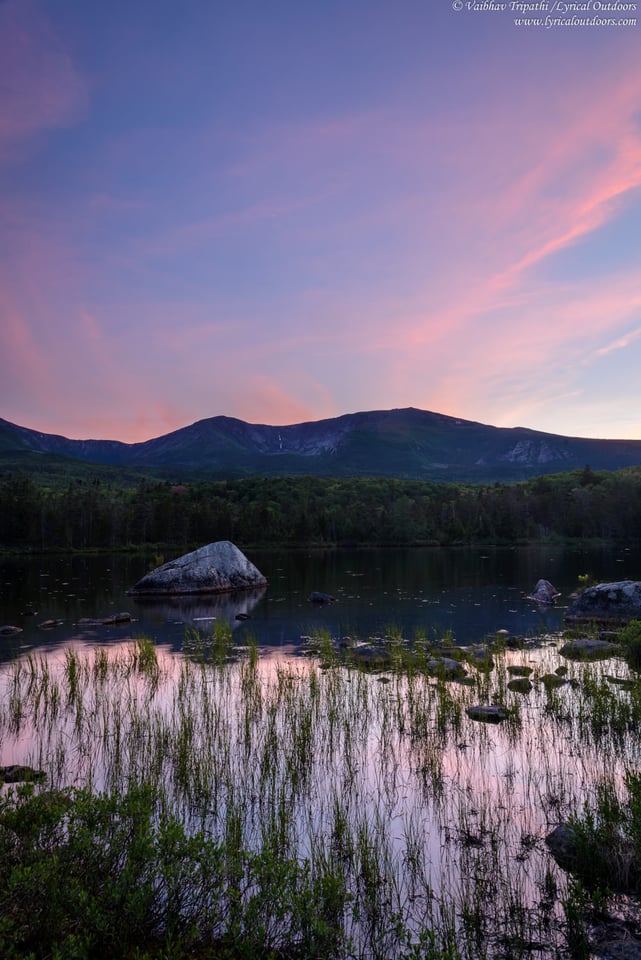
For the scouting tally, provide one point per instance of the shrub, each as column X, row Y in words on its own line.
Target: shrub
column 87, row 877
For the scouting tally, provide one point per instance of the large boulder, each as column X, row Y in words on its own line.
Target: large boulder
column 217, row 568
column 619, row 601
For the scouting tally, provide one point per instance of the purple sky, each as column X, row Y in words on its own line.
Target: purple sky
column 284, row 211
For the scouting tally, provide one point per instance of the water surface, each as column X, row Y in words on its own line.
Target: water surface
column 466, row 593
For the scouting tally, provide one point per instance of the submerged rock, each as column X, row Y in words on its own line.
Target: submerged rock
column 9, row 631
column 619, row 601
column 520, row 685
column 114, row 618
column 122, row 617
column 317, row 597
column 217, row 568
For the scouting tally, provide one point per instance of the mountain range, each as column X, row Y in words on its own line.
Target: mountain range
column 405, row 443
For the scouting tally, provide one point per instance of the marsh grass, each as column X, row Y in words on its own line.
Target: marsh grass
column 301, row 808
column 630, row 638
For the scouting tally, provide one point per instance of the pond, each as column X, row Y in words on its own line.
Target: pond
column 427, row 826
column 464, row 593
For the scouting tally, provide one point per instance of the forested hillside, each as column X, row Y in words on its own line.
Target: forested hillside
column 312, row 511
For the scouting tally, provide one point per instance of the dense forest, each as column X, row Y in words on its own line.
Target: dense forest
column 310, row 511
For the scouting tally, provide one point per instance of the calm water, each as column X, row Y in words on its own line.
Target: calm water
column 470, row 592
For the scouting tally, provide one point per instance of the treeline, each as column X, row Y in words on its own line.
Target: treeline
column 312, row 511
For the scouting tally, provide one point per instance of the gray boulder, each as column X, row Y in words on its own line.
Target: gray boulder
column 217, row 568
column 619, row 601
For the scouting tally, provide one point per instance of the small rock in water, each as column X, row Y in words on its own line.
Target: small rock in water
column 563, row 843
column 588, row 648
column 317, row 597
column 488, row 713
column 552, row 680
column 16, row 773
column 625, row 682
column 9, row 631
column 518, row 670
column 481, row 658
column 446, row 668
column 371, row 656
column 117, row 618
column 544, row 592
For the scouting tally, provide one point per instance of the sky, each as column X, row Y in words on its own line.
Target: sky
column 283, row 211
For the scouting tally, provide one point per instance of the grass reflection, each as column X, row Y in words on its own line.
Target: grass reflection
column 332, row 809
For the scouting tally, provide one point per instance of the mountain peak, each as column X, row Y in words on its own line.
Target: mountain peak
column 408, row 443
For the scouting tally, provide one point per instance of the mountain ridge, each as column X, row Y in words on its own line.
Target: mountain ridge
column 408, row 443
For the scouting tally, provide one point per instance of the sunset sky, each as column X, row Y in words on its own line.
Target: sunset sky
column 285, row 211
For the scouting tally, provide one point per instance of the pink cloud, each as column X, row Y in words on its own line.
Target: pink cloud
column 487, row 303
column 621, row 342
column 268, row 400
column 41, row 89
column 28, row 366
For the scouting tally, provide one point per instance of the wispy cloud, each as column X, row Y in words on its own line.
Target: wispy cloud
column 41, row 89
column 621, row 342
